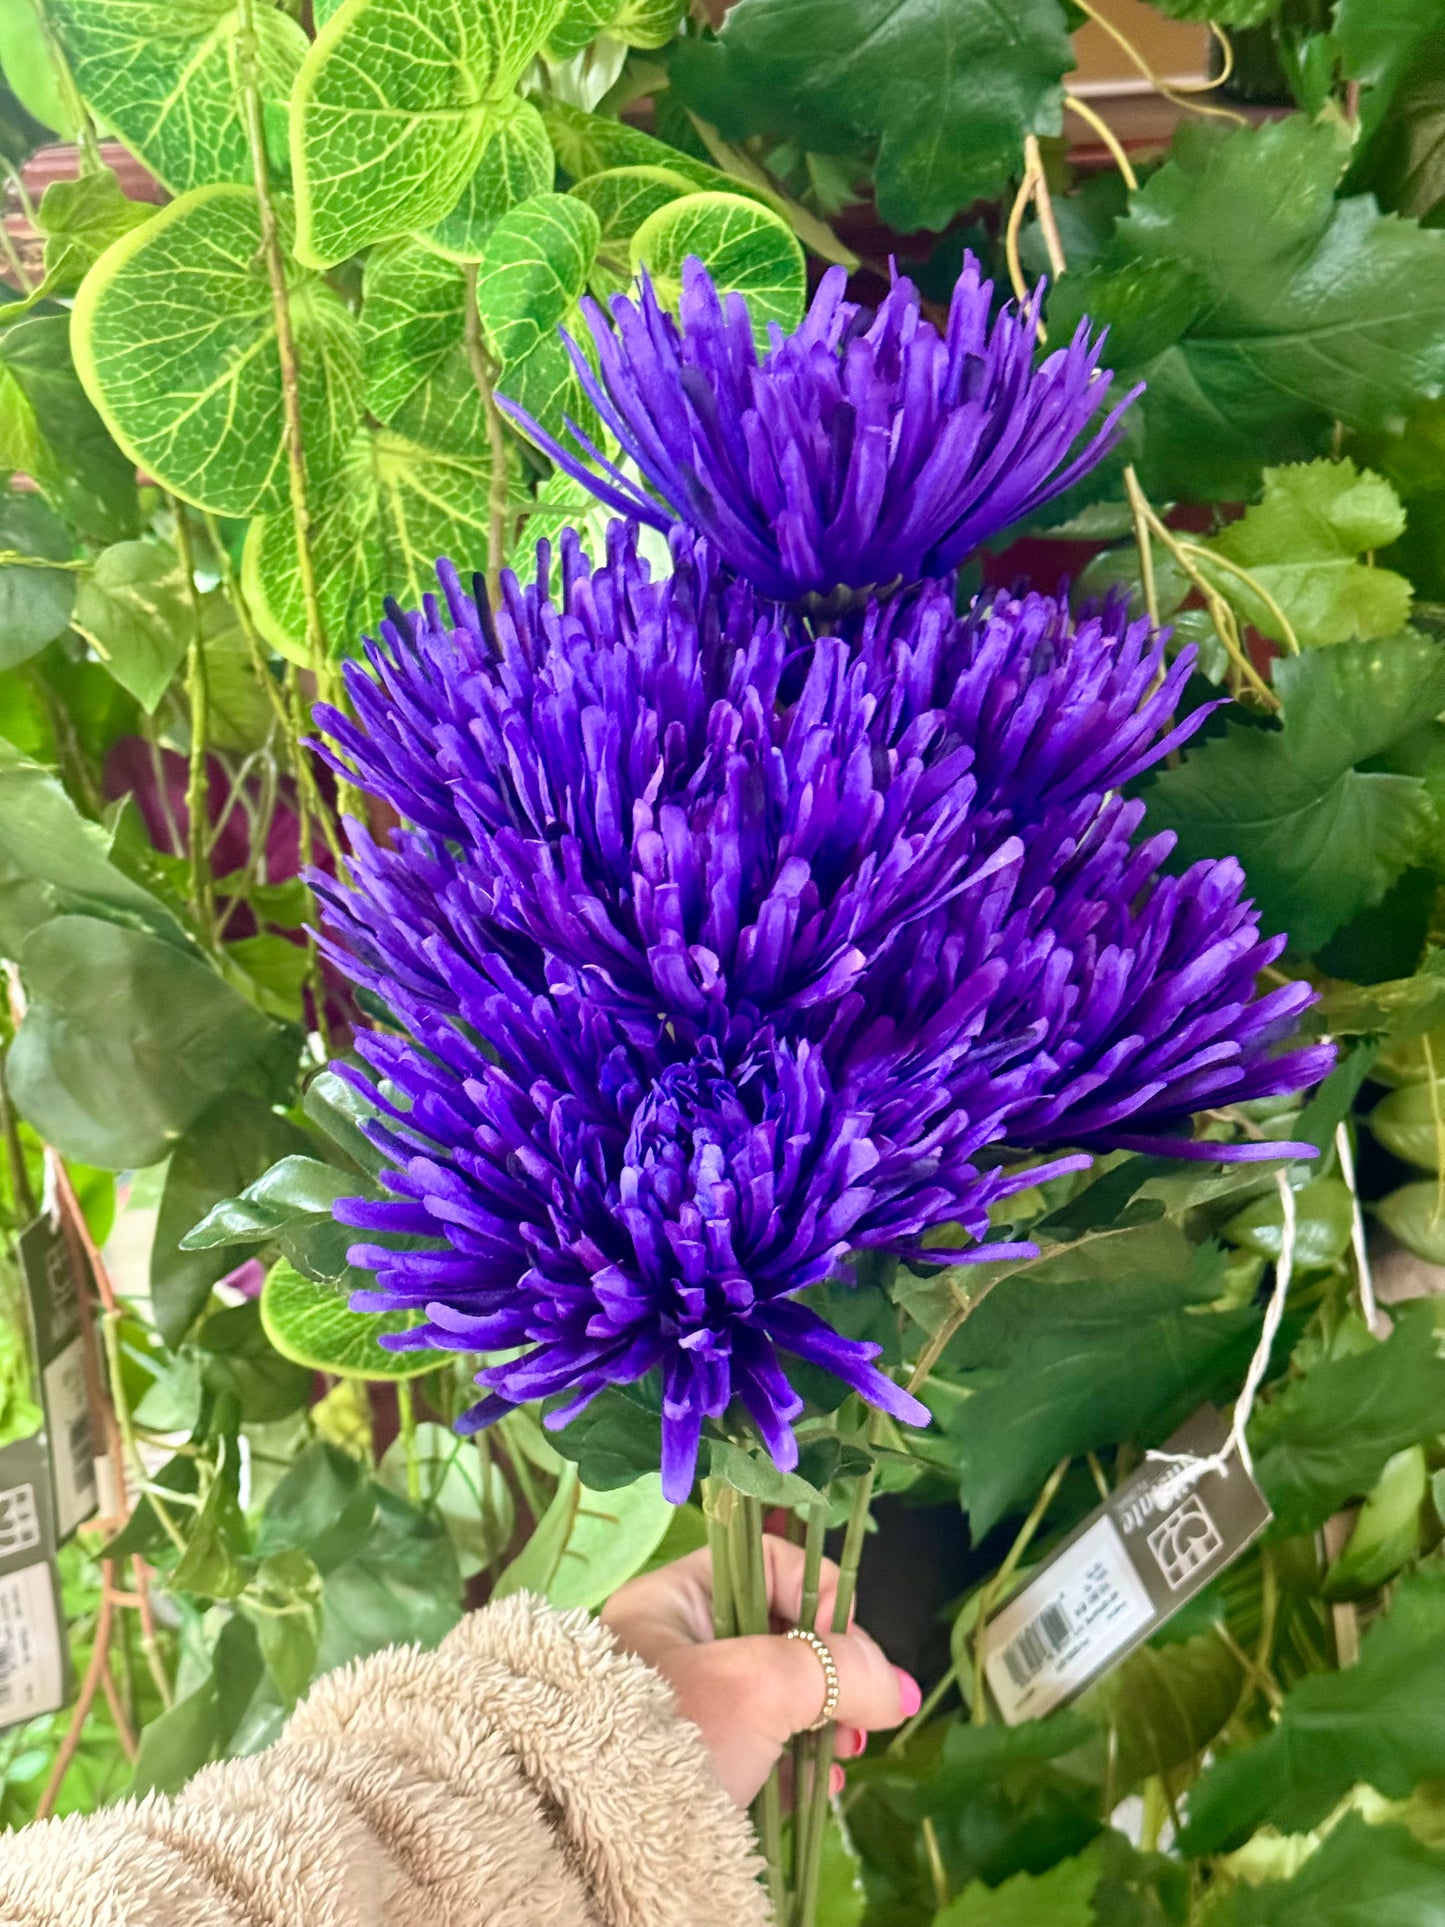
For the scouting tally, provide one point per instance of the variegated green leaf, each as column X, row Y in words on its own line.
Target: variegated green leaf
column 516, row 162
column 622, row 198
column 746, row 249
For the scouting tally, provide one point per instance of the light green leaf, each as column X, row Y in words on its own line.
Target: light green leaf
column 80, row 219
column 1328, row 1435
column 134, row 611
column 127, row 1040
column 1320, row 838
column 1387, row 1532
column 1405, row 1123
column 647, row 23
column 393, row 109
column 1303, row 543
column 1380, row 1721
column 378, row 531
column 54, row 861
column 516, row 163
column 1323, row 1223
column 175, row 339
column 588, row 1543
column 164, row 75
column 478, row 1516
column 578, row 24
column 1062, row 1897
column 1228, row 13
column 622, row 198
column 759, row 1478
column 313, row 1324
column 419, row 379
column 947, row 94
column 533, row 271
column 35, row 604
column 29, row 70
column 1361, row 1876
column 592, row 143
column 1415, row 1213
column 747, row 249
column 50, row 431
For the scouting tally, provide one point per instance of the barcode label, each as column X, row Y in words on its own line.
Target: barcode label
column 1085, row 1607
column 32, row 1667
column 72, row 1448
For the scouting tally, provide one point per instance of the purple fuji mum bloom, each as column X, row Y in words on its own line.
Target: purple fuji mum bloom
column 862, row 451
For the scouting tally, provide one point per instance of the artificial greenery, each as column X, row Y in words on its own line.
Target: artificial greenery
column 240, row 407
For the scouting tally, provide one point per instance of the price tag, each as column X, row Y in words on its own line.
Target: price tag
column 34, row 1657
column 52, row 1291
column 1161, row 1536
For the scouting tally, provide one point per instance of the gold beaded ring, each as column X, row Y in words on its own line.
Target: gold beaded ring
column 830, row 1676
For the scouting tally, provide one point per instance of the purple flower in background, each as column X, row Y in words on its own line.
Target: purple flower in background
column 861, row 451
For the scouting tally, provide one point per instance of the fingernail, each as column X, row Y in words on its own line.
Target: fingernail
column 910, row 1693
column 850, row 1742
column 836, row 1780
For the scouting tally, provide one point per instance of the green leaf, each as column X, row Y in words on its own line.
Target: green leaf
column 588, row 144
column 323, row 1504
column 1383, row 49
column 1302, row 544
column 286, row 1592
column 175, row 339
column 183, row 1738
column 1387, row 1532
column 533, row 270
column 313, row 1324
column 29, row 67
column 759, row 1478
column 1361, row 1876
column 419, row 379
column 1307, row 310
column 622, row 198
column 340, row 1110
column 80, row 219
column 1380, row 1721
column 1416, row 1215
column 516, row 162
column 127, row 1040
column 588, row 1543
column 1405, row 1123
column 400, row 1586
column 948, row 95
column 1164, row 1705
column 746, row 249
column 1062, row 1897
column 616, row 1440
column 1324, row 1220
column 134, row 610
column 478, row 1518
column 378, row 531
column 217, row 1542
column 239, row 1359
column 392, row 112
column 50, row 431
column 1320, row 839
column 35, row 603
column 163, row 75
column 291, row 1203
column 53, row 860
column 1326, row 1438
column 1104, row 1341
column 224, row 1149
column 1228, row 13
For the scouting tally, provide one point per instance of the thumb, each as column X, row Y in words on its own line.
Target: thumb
column 872, row 1692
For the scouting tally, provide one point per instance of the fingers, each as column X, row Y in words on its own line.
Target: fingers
column 788, row 1685
column 663, row 1608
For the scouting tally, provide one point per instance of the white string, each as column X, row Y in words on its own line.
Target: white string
column 1368, row 1303
column 1258, row 1364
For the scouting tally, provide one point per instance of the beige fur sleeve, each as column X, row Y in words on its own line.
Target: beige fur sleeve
column 525, row 1774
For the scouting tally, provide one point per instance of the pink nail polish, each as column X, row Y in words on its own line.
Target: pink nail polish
column 910, row 1693
column 836, row 1779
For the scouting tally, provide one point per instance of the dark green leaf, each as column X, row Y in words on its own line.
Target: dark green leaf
column 214, row 1563
column 239, row 1359
column 400, row 1585
column 616, row 1439
column 323, row 1505
column 1326, row 1438
column 340, row 1110
column 758, row 1477
column 183, row 1739
column 1062, row 1897
column 1320, row 838
column 947, row 95
column 35, row 604
column 1380, row 1721
column 232, row 1142
column 1165, row 1704
column 127, row 1041
column 291, row 1203
column 1103, row 1341
column 49, row 430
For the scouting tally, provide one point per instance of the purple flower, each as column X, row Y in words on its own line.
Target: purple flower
column 862, row 451
column 719, row 948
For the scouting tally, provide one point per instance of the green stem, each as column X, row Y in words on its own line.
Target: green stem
column 718, row 1503
column 812, row 1816
column 406, row 1416
column 815, row 1535
column 82, row 125
column 768, row 1807
column 905, row 1733
column 203, row 907
column 248, row 66
column 484, row 375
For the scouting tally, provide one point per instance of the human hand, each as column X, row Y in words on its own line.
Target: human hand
column 747, row 1696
